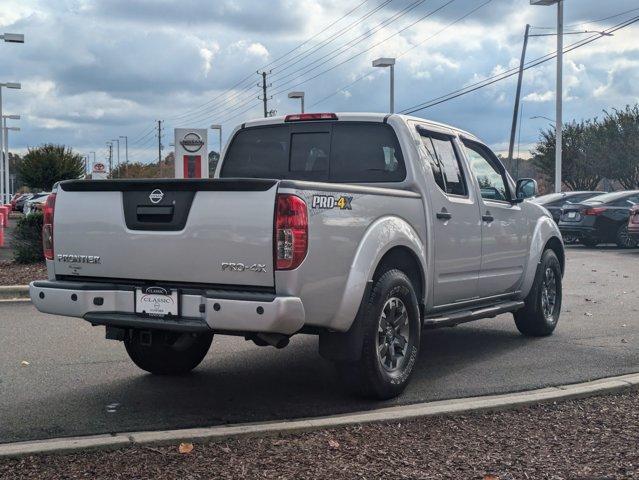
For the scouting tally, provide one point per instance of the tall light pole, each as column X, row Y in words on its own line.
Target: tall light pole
column 218, row 126
column 4, row 162
column 559, row 88
column 118, row 157
column 5, row 152
column 126, row 148
column 299, row 95
column 388, row 62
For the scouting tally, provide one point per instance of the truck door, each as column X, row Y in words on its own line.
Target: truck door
column 505, row 232
column 455, row 220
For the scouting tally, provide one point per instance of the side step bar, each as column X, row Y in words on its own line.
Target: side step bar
column 451, row 319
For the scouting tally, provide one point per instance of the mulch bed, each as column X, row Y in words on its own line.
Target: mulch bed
column 596, row 438
column 12, row 273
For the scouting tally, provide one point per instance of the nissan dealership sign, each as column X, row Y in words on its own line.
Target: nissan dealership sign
column 191, row 153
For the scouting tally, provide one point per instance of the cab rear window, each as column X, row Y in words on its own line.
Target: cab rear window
column 355, row 152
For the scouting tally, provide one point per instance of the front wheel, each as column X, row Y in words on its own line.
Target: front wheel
column 542, row 307
column 167, row 353
column 391, row 331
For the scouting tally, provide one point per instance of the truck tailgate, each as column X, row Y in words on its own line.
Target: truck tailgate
column 197, row 231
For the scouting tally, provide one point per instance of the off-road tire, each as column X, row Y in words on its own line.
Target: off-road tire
column 531, row 320
column 368, row 377
column 169, row 353
column 623, row 239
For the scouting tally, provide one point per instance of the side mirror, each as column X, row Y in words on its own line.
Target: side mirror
column 526, row 188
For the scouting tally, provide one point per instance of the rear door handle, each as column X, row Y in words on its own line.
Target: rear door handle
column 444, row 216
column 488, row 217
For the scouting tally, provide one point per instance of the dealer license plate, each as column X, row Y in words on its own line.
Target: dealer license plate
column 156, row 301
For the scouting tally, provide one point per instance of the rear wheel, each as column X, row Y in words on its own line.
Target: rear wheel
column 167, row 353
column 542, row 307
column 391, row 329
column 623, row 238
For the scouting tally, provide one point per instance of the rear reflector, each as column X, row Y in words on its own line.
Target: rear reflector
column 47, row 227
column 290, row 231
column 594, row 211
column 303, row 117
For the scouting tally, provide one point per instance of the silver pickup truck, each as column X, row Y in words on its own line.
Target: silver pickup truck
column 364, row 229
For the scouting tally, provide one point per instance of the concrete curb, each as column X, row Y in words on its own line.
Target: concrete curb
column 13, row 293
column 404, row 412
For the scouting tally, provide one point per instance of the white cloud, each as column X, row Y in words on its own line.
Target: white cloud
column 537, row 97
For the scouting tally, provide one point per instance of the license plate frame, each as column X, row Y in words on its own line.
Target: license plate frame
column 158, row 302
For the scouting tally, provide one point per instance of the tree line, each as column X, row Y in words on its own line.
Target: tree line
column 593, row 150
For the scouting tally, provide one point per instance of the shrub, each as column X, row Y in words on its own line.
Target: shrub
column 27, row 239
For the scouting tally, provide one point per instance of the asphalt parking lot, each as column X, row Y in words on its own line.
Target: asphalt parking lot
column 78, row 383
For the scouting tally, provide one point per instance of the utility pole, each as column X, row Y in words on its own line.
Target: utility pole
column 126, row 148
column 160, row 146
column 110, row 145
column 264, row 94
column 513, row 129
column 560, row 92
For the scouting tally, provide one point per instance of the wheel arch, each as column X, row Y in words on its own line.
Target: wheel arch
column 404, row 259
column 387, row 239
column 545, row 235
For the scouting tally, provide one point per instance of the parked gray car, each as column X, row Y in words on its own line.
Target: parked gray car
column 363, row 229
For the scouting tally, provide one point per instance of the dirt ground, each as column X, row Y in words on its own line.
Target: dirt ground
column 12, row 273
column 595, row 438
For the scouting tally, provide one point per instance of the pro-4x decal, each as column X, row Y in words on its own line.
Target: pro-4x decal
column 329, row 202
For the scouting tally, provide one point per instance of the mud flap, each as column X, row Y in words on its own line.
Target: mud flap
column 346, row 346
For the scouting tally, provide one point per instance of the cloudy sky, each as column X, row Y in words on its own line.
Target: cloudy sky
column 93, row 70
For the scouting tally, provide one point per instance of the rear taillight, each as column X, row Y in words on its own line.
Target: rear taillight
column 290, row 232
column 594, row 211
column 634, row 216
column 47, row 227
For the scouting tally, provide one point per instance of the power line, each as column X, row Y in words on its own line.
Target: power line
column 219, row 97
column 352, row 43
column 463, row 17
column 330, row 40
column 512, row 72
column 366, row 50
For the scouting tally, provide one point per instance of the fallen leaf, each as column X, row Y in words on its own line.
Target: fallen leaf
column 334, row 444
column 588, row 314
column 491, row 477
column 24, row 363
column 226, row 449
column 623, row 340
column 185, row 448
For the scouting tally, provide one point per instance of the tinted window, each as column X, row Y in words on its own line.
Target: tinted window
column 365, row 152
column 309, row 152
column 491, row 182
column 340, row 152
column 258, row 153
column 451, row 168
column 434, row 163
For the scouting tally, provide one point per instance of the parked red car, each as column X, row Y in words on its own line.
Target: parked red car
column 633, row 222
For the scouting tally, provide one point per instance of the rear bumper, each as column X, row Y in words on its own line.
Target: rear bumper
column 578, row 231
column 208, row 310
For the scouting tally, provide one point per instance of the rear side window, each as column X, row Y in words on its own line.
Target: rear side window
column 365, row 152
column 445, row 165
column 341, row 152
